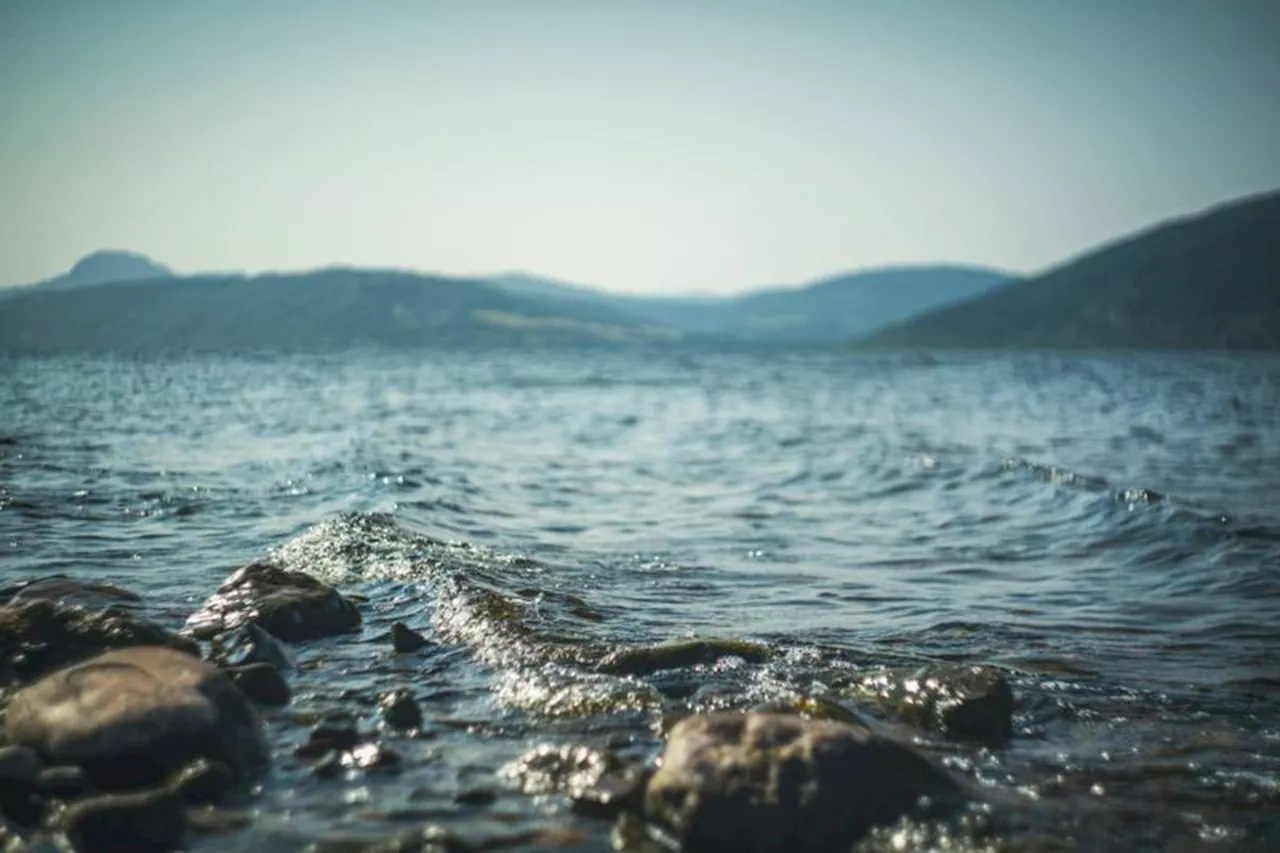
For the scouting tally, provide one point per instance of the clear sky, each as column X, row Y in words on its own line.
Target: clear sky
column 642, row 146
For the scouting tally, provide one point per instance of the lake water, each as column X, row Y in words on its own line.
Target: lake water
column 1103, row 528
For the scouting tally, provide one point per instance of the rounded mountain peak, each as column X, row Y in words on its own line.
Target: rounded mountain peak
column 114, row 265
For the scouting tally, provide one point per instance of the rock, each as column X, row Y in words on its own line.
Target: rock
column 20, row 798
column 134, row 716
column 372, row 758
column 64, row 590
column 293, row 606
column 138, row 822
column 965, row 703
column 67, row 782
column 644, row 660
column 251, row 643
column 476, row 797
column 19, row 765
column 400, row 710
column 329, row 766
column 261, row 682
column 405, row 640
column 763, row 782
column 202, row 782
column 39, row 636
column 332, row 733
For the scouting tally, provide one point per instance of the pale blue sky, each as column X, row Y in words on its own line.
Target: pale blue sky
column 642, row 146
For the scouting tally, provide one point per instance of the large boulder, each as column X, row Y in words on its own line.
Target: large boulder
column 291, row 605
column 757, row 782
column 38, row 636
column 65, row 590
column 132, row 717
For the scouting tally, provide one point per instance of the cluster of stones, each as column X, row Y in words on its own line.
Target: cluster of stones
column 119, row 734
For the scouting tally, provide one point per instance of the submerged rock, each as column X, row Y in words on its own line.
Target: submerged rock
column 965, row 703
column 39, row 636
column 250, row 643
column 19, row 766
column 132, row 717
column 335, row 733
column 405, row 640
column 372, row 758
column 67, row 782
column 261, row 682
column 643, row 660
column 202, row 782
column 20, row 798
column 763, row 782
column 399, row 710
column 476, row 797
column 293, row 606
column 144, row 822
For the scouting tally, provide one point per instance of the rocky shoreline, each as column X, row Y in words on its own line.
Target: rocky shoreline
column 120, row 734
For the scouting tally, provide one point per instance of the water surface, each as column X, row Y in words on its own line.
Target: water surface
column 1105, row 528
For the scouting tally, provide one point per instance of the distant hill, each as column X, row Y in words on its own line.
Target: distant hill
column 108, row 266
column 827, row 311
column 324, row 309
column 1211, row 281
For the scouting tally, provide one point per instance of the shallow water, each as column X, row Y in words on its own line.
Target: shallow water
column 1105, row 528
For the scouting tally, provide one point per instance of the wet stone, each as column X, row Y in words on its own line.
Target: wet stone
column 39, row 636
column 405, row 640
column 291, row 605
column 329, row 766
column 476, row 797
column 332, row 733
column 20, row 798
column 144, row 822
column 67, row 782
column 964, row 703
column 372, row 758
column 762, row 782
column 19, row 765
column 202, row 782
column 261, row 683
column 645, row 660
column 399, row 710
column 134, row 716
column 251, row 643
column 64, row 590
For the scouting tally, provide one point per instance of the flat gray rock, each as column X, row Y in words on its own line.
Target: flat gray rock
column 757, row 782
column 132, row 717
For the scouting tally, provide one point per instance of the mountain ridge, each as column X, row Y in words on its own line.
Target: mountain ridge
column 824, row 312
column 1205, row 280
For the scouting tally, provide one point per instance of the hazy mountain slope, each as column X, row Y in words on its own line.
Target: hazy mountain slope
column 853, row 304
column 332, row 308
column 833, row 309
column 1211, row 281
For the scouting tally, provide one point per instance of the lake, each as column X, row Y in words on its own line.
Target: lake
column 1104, row 529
